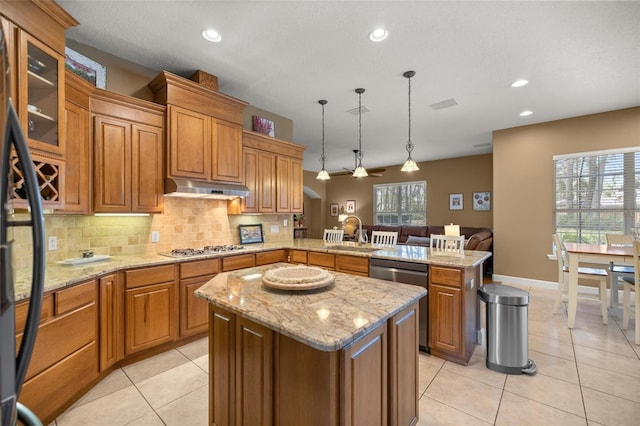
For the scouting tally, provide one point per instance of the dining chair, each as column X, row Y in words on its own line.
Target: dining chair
column 632, row 285
column 333, row 235
column 384, row 238
column 616, row 272
column 447, row 245
column 585, row 273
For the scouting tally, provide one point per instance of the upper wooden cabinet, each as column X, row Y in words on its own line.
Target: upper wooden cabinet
column 204, row 129
column 273, row 174
column 127, row 154
column 77, row 188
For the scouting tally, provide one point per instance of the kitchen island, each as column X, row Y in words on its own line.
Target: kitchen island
column 343, row 354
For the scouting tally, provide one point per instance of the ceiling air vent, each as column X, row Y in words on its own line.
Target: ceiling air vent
column 444, row 104
column 355, row 110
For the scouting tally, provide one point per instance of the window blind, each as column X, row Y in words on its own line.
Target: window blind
column 400, row 203
column 596, row 194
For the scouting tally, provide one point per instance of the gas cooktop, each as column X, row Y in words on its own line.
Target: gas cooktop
column 189, row 252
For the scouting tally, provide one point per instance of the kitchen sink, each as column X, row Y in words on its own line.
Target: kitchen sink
column 355, row 248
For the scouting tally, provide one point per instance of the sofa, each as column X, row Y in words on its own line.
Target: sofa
column 476, row 238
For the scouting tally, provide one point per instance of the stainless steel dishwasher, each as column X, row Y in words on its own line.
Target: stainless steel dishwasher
column 407, row 273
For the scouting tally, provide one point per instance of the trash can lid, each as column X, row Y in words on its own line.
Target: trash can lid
column 503, row 295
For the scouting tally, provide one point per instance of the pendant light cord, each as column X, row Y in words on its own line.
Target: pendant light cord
column 360, row 128
column 323, row 158
column 409, row 143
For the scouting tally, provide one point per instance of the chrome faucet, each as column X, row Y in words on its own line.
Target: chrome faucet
column 360, row 237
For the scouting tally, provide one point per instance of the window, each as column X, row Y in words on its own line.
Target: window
column 596, row 194
column 400, row 203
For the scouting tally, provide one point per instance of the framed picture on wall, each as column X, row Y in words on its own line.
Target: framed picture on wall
column 455, row 202
column 482, row 201
column 264, row 126
column 334, row 209
column 250, row 234
column 351, row 206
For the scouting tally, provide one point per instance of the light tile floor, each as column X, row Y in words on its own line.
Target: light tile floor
column 590, row 375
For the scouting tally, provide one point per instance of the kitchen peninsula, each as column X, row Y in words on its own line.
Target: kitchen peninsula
column 343, row 354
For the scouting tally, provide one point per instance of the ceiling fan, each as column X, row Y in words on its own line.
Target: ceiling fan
column 374, row 172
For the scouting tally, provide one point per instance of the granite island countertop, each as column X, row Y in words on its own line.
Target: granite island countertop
column 327, row 319
column 59, row 276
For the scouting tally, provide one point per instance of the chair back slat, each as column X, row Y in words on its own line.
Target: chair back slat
column 384, row 238
column 333, row 235
column 447, row 245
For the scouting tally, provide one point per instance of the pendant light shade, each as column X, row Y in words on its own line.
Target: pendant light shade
column 322, row 174
column 409, row 165
column 360, row 171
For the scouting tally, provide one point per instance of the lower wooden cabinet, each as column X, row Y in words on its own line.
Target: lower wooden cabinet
column 111, row 321
column 452, row 312
column 151, row 307
column 298, row 256
column 272, row 256
column 354, row 265
column 260, row 377
column 194, row 312
column 323, row 260
column 65, row 356
column 240, row 261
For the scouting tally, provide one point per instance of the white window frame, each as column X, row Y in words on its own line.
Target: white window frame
column 614, row 186
column 398, row 211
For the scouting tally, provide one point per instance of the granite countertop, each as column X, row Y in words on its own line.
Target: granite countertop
column 327, row 319
column 58, row 276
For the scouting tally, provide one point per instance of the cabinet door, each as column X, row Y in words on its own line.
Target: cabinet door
column 193, row 310
column 221, row 366
column 112, row 165
column 445, row 313
column 76, row 186
column 283, row 165
column 189, row 143
column 151, row 316
column 111, row 320
column 254, row 377
column 251, row 181
column 226, row 160
column 146, row 169
column 296, row 186
column 41, row 100
column 266, row 182
column 364, row 369
column 403, row 367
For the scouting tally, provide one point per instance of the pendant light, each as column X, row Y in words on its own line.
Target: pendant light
column 360, row 171
column 409, row 165
column 322, row 174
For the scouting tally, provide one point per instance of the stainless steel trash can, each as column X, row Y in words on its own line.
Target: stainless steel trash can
column 507, row 329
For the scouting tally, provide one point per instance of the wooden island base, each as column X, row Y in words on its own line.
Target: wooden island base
column 258, row 376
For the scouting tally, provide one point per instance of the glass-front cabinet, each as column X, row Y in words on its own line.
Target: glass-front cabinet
column 41, row 98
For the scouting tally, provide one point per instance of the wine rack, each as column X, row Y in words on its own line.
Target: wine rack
column 50, row 176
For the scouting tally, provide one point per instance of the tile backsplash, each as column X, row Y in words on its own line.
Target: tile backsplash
column 184, row 223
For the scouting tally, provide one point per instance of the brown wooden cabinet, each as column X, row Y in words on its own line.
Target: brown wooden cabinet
column 258, row 376
column 260, row 178
column 35, row 36
column 323, row 260
column 354, row 265
column 111, row 321
column 297, row 256
column 128, row 154
column 239, row 261
column 65, row 356
column 194, row 312
column 204, row 128
column 151, row 307
column 452, row 312
column 271, row 256
column 288, row 185
column 77, row 195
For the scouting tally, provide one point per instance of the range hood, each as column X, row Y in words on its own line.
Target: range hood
column 192, row 188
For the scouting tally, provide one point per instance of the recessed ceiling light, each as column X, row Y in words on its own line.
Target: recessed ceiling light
column 378, row 34
column 525, row 113
column 519, row 83
column 211, row 35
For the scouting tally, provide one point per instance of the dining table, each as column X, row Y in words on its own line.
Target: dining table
column 592, row 253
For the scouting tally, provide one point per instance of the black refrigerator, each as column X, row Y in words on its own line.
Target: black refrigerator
column 13, row 146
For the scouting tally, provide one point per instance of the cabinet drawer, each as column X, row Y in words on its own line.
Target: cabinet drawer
column 352, row 264
column 146, row 276
column 199, row 267
column 324, row 260
column 232, row 263
column 22, row 310
column 74, row 297
column 56, row 386
column 61, row 337
column 268, row 257
column 298, row 256
column 446, row 276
